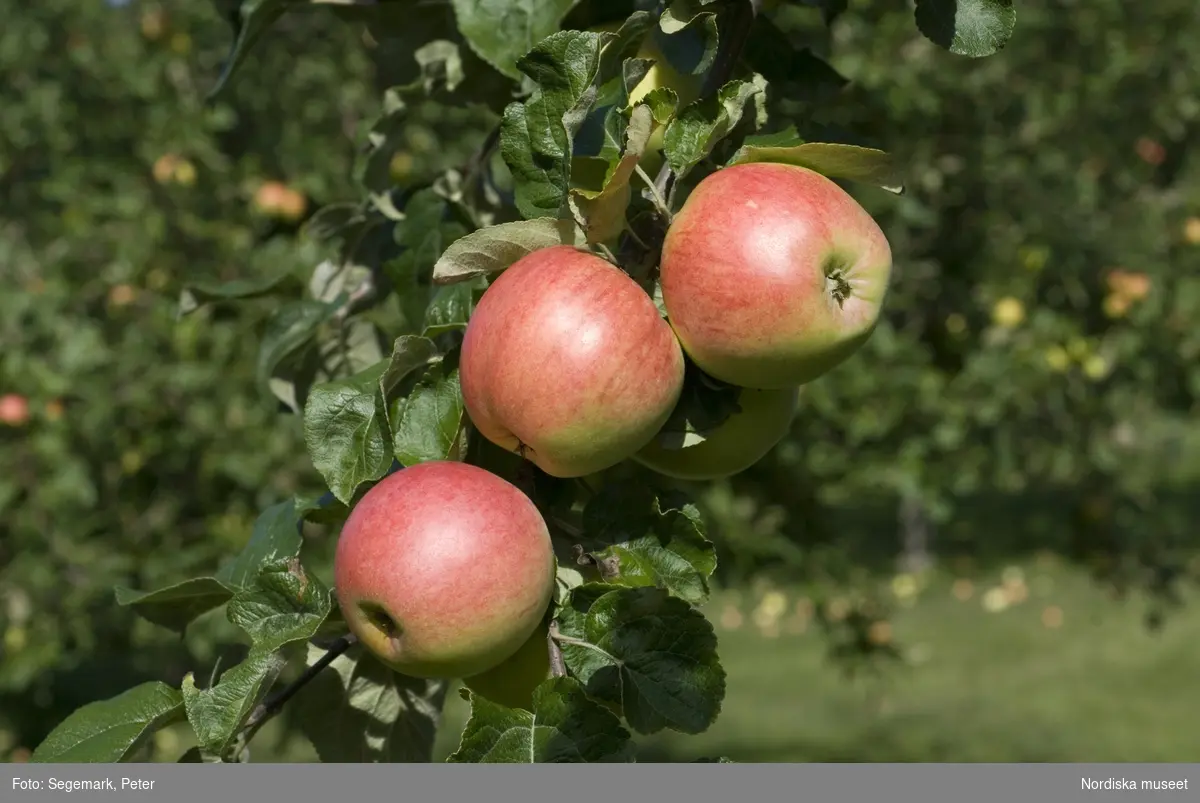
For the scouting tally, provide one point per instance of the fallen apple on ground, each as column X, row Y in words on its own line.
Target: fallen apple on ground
column 444, row 570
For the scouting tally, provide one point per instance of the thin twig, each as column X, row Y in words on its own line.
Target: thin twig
column 558, row 667
column 566, row 526
column 659, row 202
column 274, row 704
column 480, row 158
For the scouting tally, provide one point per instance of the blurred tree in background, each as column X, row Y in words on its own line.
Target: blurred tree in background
column 1034, row 386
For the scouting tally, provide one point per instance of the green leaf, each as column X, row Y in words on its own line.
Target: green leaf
column 602, row 214
column 284, row 605
column 194, row 296
column 692, row 38
column 440, row 73
column 290, row 329
column 110, row 731
column 358, row 710
column 564, row 727
column 649, row 539
column 276, row 535
column 650, row 653
column 409, row 354
column 345, row 430
column 333, row 220
column 974, row 28
column 251, row 20
column 536, row 136
column 428, row 422
column 451, row 306
column 219, row 712
column 501, row 31
column 662, row 102
column 832, row 159
column 175, row 606
column 427, row 229
column 492, row 249
column 692, row 135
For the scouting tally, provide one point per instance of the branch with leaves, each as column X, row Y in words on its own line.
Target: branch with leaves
column 628, row 651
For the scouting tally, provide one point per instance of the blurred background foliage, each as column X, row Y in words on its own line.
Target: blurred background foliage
column 979, row 533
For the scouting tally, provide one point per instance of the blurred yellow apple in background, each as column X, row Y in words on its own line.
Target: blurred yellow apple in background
column 1008, row 312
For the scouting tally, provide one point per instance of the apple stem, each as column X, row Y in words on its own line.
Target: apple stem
column 659, row 202
column 558, row 667
column 561, row 639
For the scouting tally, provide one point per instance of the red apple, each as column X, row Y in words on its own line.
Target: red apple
column 276, row 199
column 772, row 275
column 738, row 443
column 511, row 683
column 14, row 409
column 444, row 570
column 567, row 361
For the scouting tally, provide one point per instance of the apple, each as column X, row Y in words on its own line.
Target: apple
column 276, row 199
column 772, row 275
column 567, row 362
column 14, row 409
column 443, row 570
column 1150, row 150
column 164, row 167
column 1008, row 312
column 738, row 443
column 1191, row 230
column 1132, row 285
column 511, row 682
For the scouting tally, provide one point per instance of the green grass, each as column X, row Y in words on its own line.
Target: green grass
column 976, row 685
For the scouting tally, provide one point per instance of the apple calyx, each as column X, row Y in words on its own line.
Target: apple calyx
column 380, row 618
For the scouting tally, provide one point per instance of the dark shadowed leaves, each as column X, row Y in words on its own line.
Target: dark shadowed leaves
column 358, row 710
column 655, row 539
column 501, row 31
column 652, row 654
column 972, row 28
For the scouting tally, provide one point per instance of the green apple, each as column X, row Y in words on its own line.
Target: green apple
column 511, row 683
column 738, row 443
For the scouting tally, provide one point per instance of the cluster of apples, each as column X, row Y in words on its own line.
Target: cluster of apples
column 771, row 275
